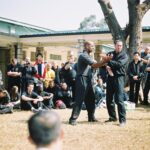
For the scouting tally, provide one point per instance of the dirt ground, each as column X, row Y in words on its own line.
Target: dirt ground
column 90, row 136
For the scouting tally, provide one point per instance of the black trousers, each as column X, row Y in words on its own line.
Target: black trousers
column 27, row 105
column 146, row 89
column 84, row 92
column 114, row 94
column 134, row 91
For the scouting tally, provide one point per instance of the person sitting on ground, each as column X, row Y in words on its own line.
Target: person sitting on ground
column 47, row 97
column 45, row 131
column 51, row 87
column 65, row 94
column 5, row 106
column 15, row 97
column 31, row 100
column 99, row 92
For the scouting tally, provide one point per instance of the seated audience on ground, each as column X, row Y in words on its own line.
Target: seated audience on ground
column 47, row 97
column 5, row 106
column 51, row 87
column 31, row 100
column 65, row 94
column 45, row 131
column 99, row 92
column 15, row 97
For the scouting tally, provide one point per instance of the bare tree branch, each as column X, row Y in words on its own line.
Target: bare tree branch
column 111, row 20
column 126, row 31
column 145, row 6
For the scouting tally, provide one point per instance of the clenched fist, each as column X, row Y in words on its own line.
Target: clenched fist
column 106, row 58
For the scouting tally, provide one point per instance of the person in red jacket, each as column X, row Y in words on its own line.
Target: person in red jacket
column 40, row 67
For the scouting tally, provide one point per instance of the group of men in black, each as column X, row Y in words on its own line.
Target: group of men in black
column 116, row 65
column 76, row 84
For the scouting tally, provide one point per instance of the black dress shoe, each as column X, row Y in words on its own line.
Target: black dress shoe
column 145, row 103
column 111, row 120
column 92, row 120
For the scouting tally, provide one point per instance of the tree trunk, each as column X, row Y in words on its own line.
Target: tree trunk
column 135, row 28
column 111, row 21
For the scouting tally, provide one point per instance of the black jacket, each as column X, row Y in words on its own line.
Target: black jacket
column 118, row 63
column 135, row 70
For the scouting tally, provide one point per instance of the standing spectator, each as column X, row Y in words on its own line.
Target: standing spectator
column 1, row 79
column 31, row 100
column 28, row 73
column 147, row 86
column 146, row 54
column 56, row 68
column 145, row 57
column 45, row 131
column 135, row 72
column 5, row 106
column 50, row 74
column 84, row 91
column 14, row 74
column 68, row 75
column 40, row 67
column 115, row 84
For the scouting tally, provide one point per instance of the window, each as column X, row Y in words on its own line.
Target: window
column 33, row 56
column 23, row 55
column 55, row 57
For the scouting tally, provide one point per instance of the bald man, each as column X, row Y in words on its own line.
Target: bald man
column 84, row 91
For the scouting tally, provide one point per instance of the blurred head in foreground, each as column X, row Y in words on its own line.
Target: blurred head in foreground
column 45, row 130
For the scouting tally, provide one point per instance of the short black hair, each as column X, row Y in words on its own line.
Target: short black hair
column 136, row 53
column 30, row 83
column 39, row 54
column 116, row 41
column 44, row 127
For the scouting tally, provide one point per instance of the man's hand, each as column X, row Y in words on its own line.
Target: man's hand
column 148, row 69
column 135, row 77
column 35, row 101
column 41, row 79
column 106, row 59
column 10, row 104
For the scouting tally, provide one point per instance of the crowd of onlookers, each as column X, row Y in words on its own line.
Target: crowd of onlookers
column 45, row 85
